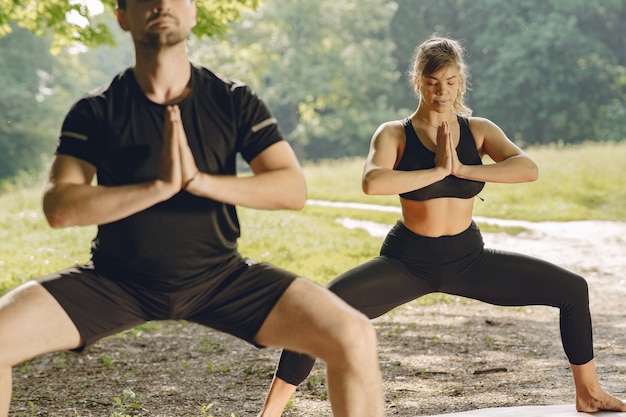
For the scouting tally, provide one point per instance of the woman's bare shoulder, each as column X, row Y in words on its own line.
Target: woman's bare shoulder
column 481, row 124
column 390, row 129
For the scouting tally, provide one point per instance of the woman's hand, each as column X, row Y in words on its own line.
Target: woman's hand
column 445, row 155
column 456, row 163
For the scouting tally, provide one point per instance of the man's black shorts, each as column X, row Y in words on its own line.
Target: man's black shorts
column 236, row 301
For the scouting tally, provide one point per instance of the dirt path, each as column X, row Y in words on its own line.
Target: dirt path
column 438, row 358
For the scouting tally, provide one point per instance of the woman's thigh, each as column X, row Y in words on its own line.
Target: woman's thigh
column 379, row 285
column 511, row 279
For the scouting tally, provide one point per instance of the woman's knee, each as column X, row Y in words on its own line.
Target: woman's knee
column 579, row 290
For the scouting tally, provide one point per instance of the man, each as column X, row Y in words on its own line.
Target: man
column 162, row 140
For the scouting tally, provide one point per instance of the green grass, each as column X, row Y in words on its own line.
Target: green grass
column 29, row 248
column 585, row 182
column 575, row 183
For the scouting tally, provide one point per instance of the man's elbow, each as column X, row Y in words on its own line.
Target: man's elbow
column 533, row 172
column 56, row 219
column 296, row 204
column 56, row 216
column 296, row 200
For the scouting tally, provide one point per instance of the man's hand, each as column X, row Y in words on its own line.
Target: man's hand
column 189, row 169
column 170, row 170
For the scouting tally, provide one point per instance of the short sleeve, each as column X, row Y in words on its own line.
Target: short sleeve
column 81, row 133
column 257, row 127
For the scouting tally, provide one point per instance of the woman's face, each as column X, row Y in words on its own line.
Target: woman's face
column 440, row 89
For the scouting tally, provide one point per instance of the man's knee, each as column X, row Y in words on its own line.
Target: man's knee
column 356, row 340
column 32, row 323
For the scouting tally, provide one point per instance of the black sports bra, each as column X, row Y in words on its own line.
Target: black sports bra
column 417, row 156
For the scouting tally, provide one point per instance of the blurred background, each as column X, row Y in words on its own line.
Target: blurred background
column 546, row 71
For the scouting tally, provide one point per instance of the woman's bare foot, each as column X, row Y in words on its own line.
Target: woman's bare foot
column 601, row 401
column 590, row 397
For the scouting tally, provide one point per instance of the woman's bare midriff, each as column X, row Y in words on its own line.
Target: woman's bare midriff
column 437, row 217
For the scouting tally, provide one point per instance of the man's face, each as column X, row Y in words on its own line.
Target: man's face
column 158, row 23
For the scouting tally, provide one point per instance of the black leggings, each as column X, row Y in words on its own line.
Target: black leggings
column 410, row 266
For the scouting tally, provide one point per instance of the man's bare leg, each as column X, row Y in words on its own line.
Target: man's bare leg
column 31, row 323
column 311, row 320
column 590, row 397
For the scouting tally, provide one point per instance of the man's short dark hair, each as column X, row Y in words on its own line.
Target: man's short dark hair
column 121, row 4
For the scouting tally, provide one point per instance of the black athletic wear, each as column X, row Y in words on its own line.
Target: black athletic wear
column 184, row 243
column 119, row 131
column 410, row 266
column 236, row 298
column 417, row 156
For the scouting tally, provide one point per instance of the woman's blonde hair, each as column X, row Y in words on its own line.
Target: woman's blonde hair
column 435, row 53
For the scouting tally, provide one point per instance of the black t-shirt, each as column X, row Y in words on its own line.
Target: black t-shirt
column 119, row 131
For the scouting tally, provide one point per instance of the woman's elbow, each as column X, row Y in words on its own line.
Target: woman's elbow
column 524, row 169
column 366, row 186
column 370, row 187
column 373, row 183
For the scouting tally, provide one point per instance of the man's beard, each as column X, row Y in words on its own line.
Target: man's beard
column 163, row 39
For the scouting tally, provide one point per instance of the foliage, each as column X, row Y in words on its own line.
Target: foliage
column 557, row 104
column 39, row 88
column 124, row 405
column 545, row 71
column 26, row 75
column 51, row 17
column 322, row 68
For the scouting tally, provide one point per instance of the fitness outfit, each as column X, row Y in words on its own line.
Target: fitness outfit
column 417, row 156
column 410, row 266
column 177, row 259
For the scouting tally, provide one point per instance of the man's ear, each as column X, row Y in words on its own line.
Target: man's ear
column 121, row 19
column 194, row 15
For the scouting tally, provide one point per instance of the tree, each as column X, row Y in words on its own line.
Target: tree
column 38, row 86
column 51, row 17
column 26, row 72
column 323, row 66
column 543, row 70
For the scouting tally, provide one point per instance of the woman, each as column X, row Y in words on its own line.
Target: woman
column 432, row 159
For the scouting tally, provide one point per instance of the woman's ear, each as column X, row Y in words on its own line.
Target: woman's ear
column 416, row 83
